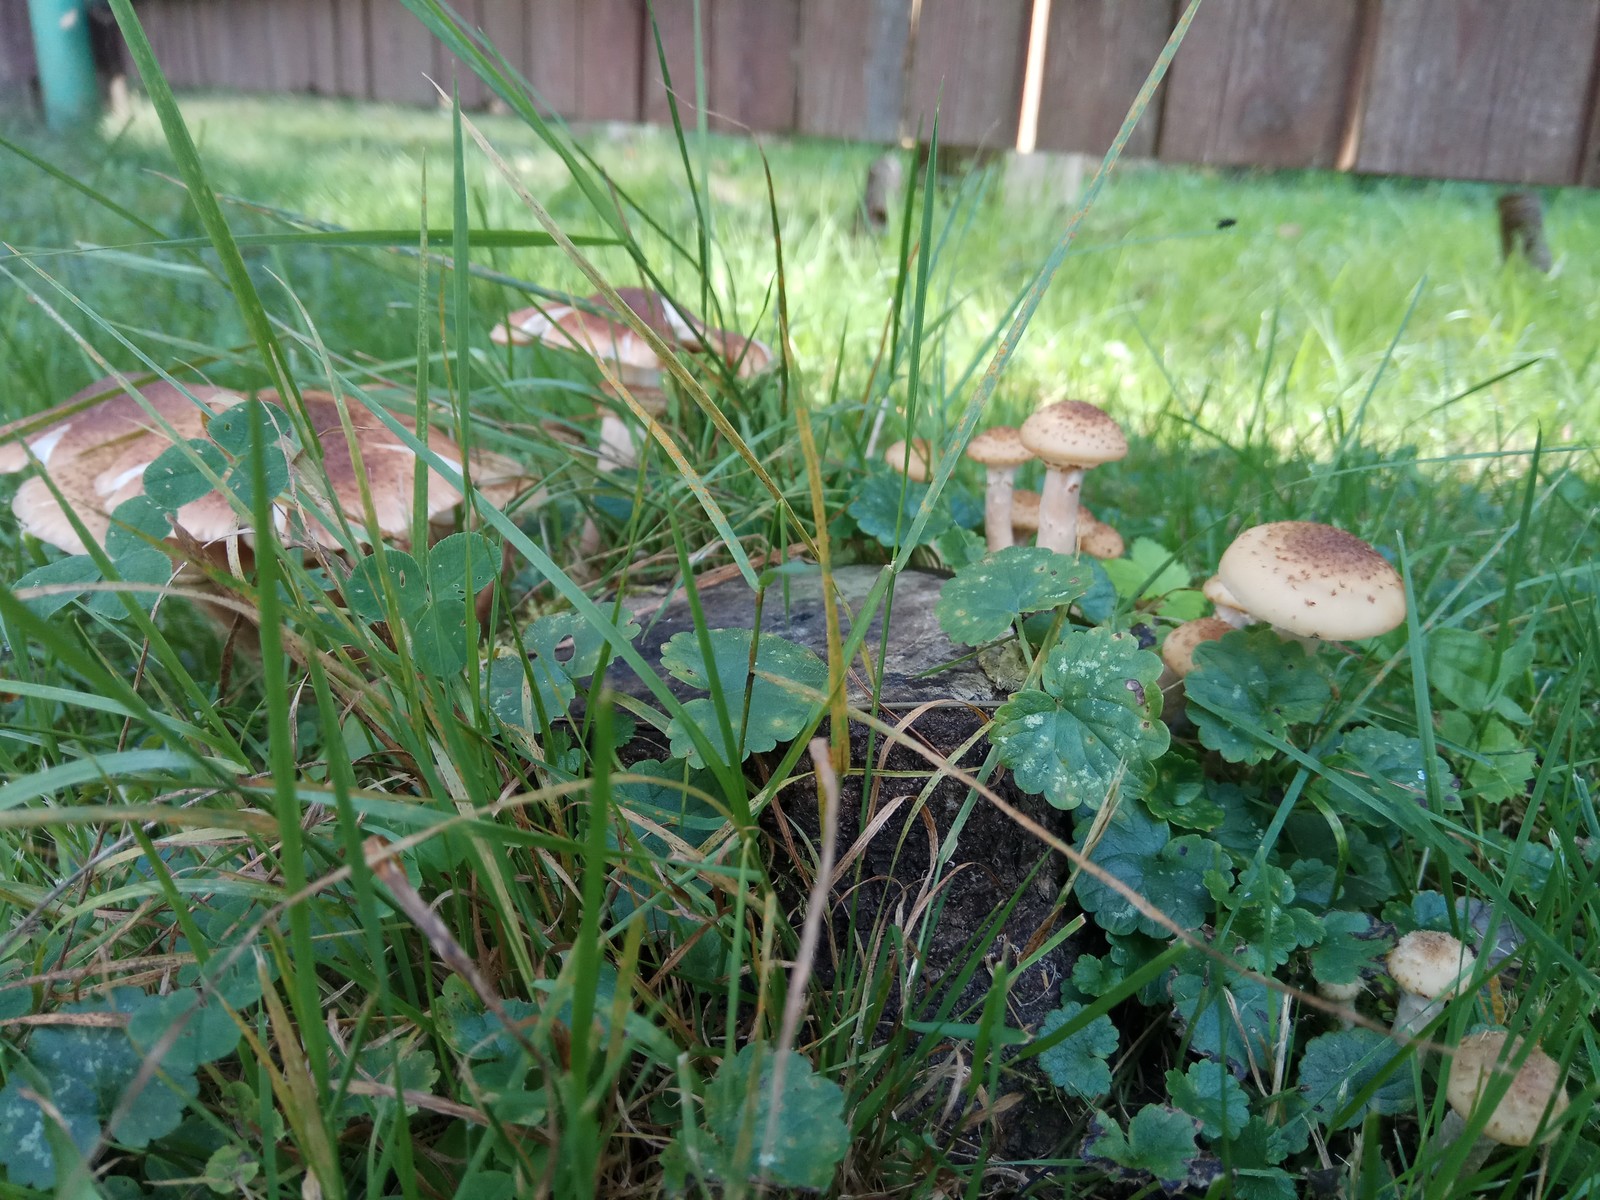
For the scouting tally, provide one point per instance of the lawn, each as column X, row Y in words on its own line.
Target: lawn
column 380, row 910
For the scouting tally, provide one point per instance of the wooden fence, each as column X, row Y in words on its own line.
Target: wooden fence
column 1486, row 89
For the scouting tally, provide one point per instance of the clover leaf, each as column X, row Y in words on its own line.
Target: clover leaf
column 1336, row 1067
column 1251, row 681
column 70, row 572
column 1351, row 942
column 135, row 525
column 1159, row 1142
column 1077, row 1063
column 985, row 597
column 1170, row 873
column 460, row 566
column 794, row 1140
column 208, row 1032
column 1090, row 725
column 1210, row 1094
column 1232, row 1023
column 178, row 476
column 888, row 504
column 373, row 581
column 777, row 712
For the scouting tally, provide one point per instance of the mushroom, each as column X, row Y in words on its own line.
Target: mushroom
column 1313, row 581
column 1024, row 513
column 1428, row 967
column 1001, row 452
column 1096, row 538
column 1339, row 993
column 1177, row 651
column 1534, row 1096
column 1070, row 437
column 914, row 461
column 1225, row 603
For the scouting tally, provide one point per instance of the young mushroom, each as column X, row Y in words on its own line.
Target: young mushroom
column 1000, row 451
column 1428, row 967
column 914, row 461
column 1177, row 651
column 1070, row 437
column 1097, row 539
column 1533, row 1097
column 1224, row 603
column 1313, row 582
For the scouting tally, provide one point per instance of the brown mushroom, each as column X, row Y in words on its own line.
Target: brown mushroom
column 1070, row 437
column 1313, row 581
column 1000, row 451
column 915, row 461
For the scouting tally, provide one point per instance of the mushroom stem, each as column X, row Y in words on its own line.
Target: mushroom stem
column 1450, row 1132
column 1237, row 617
column 617, row 452
column 997, row 507
column 1058, row 509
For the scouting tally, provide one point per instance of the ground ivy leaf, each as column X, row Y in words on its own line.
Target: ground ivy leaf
column 1336, row 1066
column 569, row 640
column 1077, row 1064
column 511, row 698
column 1251, row 680
column 1181, row 796
column 1210, row 1094
column 777, row 712
column 957, row 547
column 1351, row 942
column 810, row 1136
column 460, row 566
column 1232, row 1024
column 176, row 477
column 983, row 599
column 659, row 797
column 412, row 1069
column 208, row 1034
column 1168, row 872
column 888, row 502
column 1159, row 1142
column 1500, row 766
column 76, row 569
column 1125, row 954
column 1092, row 724
column 1263, row 922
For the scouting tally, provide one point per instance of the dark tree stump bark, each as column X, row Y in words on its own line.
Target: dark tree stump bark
column 1522, row 230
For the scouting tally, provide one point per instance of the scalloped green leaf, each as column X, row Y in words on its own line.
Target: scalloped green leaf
column 797, row 1142
column 1091, row 725
column 1168, row 872
column 1252, row 680
column 1461, row 668
column 1210, row 1094
column 1181, row 796
column 1159, row 1142
column 1077, row 1063
column 1500, row 766
column 1150, row 564
column 1337, row 1066
column 511, row 693
column 569, row 640
column 208, row 1032
column 1351, row 943
column 1262, row 922
column 777, row 713
column 887, row 504
column 985, row 597
column 176, row 477
column 1233, row 1023
column 1392, row 767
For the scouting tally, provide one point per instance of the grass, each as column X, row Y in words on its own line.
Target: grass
column 582, row 970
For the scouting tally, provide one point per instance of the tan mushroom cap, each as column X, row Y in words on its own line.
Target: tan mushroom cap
column 747, row 356
column 1177, row 651
column 1313, row 580
column 1430, row 964
column 1535, row 1087
column 1217, row 592
column 1025, row 511
column 1000, row 446
column 1074, row 433
column 917, row 466
column 1097, row 539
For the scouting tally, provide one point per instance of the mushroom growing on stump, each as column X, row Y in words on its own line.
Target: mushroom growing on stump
column 916, row 465
column 1069, row 437
column 1001, row 452
column 1533, row 1096
column 1428, row 968
column 1313, row 581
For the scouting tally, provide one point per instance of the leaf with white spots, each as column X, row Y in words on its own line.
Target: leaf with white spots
column 781, row 688
column 985, row 597
column 1249, row 683
column 1091, row 725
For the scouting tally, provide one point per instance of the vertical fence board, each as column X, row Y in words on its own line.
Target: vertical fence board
column 1262, row 82
column 17, row 67
column 1096, row 58
column 611, row 39
column 323, row 36
column 451, row 72
column 504, row 23
column 754, row 46
column 552, row 56
column 402, row 55
column 351, row 48
column 674, row 20
column 849, row 67
column 1480, row 88
column 968, row 65
column 289, row 36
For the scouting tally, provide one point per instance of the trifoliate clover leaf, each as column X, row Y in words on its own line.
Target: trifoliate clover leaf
column 441, row 640
column 1077, row 1063
column 1146, row 571
column 1263, row 923
column 234, row 428
column 1251, row 680
column 179, row 475
column 1232, row 1023
column 142, row 565
column 1091, row 725
column 796, row 1143
column 1210, row 1094
column 1181, row 796
column 887, row 505
column 1500, row 766
column 66, row 573
column 569, row 640
column 208, row 1032
column 1337, row 1067
column 459, row 567
column 135, row 525
column 516, row 699
column 1351, row 942
column 1169, row 873
column 1390, row 767
column 370, row 584
column 777, row 713
column 985, row 597
column 1159, row 1143
column 1461, row 668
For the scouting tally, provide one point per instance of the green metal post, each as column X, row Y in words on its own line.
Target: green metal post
column 66, row 64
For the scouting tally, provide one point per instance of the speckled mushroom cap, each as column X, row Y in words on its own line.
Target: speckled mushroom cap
column 917, row 466
column 1217, row 592
column 1429, row 964
column 999, row 447
column 566, row 327
column 1533, row 1089
column 1025, row 511
column 1178, row 649
column 1074, row 433
column 1097, row 539
column 1313, row 580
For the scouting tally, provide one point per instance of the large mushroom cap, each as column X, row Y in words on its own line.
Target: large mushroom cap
column 1429, row 964
column 1313, row 580
column 1177, row 651
column 1535, row 1087
column 917, row 465
column 1074, row 433
column 999, row 447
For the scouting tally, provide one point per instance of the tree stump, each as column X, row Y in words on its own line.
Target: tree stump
column 1522, row 230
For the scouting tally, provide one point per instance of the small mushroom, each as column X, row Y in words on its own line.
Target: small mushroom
column 1428, row 967
column 1533, row 1098
column 1024, row 514
column 1225, row 603
column 1177, row 652
column 1070, row 437
column 1097, row 539
column 1001, row 452
column 1313, row 581
column 915, row 463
